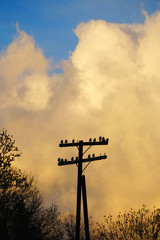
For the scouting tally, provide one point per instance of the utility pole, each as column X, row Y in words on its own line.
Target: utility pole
column 81, row 185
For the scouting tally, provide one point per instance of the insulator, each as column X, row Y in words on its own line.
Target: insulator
column 73, row 141
column 72, row 158
column 90, row 140
column 94, row 139
column 103, row 139
column 89, row 156
column 66, row 141
column 61, row 141
column 59, row 159
column 93, row 155
column 100, row 138
column 76, row 158
column 65, row 160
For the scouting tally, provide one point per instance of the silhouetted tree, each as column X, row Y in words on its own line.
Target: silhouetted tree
column 51, row 223
column 9, row 176
column 22, row 214
column 69, row 227
column 133, row 225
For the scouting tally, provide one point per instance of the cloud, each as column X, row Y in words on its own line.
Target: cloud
column 110, row 87
column 23, row 75
column 119, row 80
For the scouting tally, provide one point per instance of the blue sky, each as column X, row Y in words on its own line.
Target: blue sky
column 51, row 22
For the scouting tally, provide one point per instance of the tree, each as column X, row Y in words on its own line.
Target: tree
column 22, row 213
column 133, row 225
column 9, row 176
column 69, row 227
column 51, row 223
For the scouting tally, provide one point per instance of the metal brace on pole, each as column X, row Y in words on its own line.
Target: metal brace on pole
column 85, row 208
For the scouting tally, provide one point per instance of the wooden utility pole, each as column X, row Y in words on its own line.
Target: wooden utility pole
column 81, row 185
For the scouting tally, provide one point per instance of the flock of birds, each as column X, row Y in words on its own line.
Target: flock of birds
column 74, row 159
column 101, row 139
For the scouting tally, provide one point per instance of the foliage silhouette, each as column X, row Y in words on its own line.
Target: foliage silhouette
column 9, row 176
column 133, row 225
column 22, row 214
column 69, row 227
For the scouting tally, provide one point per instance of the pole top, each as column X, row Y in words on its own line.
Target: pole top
column 101, row 141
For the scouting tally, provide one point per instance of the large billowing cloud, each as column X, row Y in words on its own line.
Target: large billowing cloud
column 23, row 75
column 110, row 87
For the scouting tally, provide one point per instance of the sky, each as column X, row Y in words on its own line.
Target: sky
column 81, row 69
column 52, row 22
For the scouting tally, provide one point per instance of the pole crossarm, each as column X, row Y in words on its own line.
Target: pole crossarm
column 65, row 162
column 90, row 143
